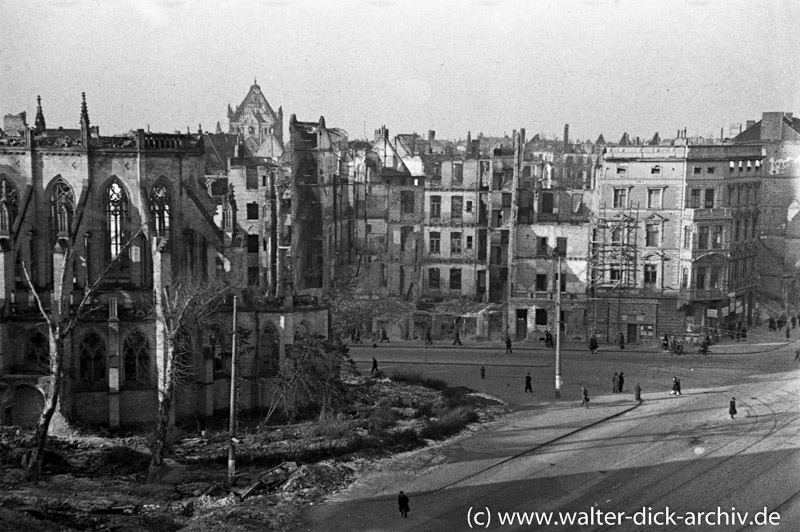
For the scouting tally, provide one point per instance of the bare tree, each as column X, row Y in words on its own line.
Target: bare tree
column 60, row 319
column 310, row 381
column 182, row 308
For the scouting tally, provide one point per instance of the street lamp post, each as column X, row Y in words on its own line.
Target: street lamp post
column 558, row 331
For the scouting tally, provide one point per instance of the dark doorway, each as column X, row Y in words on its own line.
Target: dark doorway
column 522, row 324
column 631, row 339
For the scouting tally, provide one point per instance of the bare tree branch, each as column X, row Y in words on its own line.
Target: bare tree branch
column 36, row 295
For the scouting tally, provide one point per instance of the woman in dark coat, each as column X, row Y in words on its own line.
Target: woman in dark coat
column 402, row 502
column 732, row 408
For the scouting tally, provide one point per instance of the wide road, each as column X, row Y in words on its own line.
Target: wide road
column 681, row 453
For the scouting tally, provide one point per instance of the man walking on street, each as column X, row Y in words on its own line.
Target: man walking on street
column 621, row 382
column 374, row 366
column 615, row 383
column 457, row 339
column 508, row 345
column 402, row 502
column 528, row 385
column 584, row 397
column 621, row 341
column 797, row 355
column 732, row 408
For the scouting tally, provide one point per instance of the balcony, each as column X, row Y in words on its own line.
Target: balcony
column 708, row 214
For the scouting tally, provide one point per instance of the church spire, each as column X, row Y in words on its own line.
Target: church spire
column 39, row 125
column 84, row 113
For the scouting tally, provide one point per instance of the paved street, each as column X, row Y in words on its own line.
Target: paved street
column 551, row 455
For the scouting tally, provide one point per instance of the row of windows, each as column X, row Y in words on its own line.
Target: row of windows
column 655, row 198
column 62, row 202
column 456, row 242
column 744, row 165
column 435, row 282
column 458, row 206
column 697, row 198
column 713, row 237
column 713, row 277
column 92, row 353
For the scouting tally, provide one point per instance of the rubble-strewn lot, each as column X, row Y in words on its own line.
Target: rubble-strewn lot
column 97, row 482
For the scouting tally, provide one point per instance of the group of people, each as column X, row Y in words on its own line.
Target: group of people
column 617, row 382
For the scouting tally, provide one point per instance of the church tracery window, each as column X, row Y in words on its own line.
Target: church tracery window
column 9, row 205
column 37, row 351
column 116, row 223
column 92, row 353
column 159, row 205
column 62, row 202
column 137, row 358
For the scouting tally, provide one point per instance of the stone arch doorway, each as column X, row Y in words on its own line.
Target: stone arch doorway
column 25, row 406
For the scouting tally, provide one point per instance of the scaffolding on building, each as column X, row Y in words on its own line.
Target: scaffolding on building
column 613, row 257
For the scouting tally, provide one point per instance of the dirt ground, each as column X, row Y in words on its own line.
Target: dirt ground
column 97, row 481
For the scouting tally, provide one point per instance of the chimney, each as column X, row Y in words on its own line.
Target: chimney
column 431, row 135
column 566, row 137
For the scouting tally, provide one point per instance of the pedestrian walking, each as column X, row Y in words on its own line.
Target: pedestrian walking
column 457, row 338
column 797, row 355
column 402, row 502
column 676, row 386
column 794, row 322
column 508, row 345
column 732, row 408
column 548, row 339
column 665, row 343
column 615, row 383
column 593, row 345
column 621, row 341
column 621, row 382
column 357, row 336
column 528, row 385
column 384, row 335
column 374, row 366
column 637, row 392
column 483, row 372
column 771, row 324
column 584, row 397
column 428, row 337
column 744, row 334
column 788, row 334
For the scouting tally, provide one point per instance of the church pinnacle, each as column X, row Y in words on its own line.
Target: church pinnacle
column 84, row 112
column 39, row 124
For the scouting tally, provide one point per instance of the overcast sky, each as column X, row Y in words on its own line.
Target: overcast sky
column 486, row 66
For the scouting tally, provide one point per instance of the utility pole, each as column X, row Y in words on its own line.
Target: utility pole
column 232, row 436
column 558, row 330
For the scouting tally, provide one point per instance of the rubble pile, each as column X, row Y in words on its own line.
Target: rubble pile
column 97, row 481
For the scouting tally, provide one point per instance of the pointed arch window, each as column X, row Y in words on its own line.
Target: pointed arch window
column 37, row 352
column 9, row 205
column 92, row 353
column 159, row 205
column 217, row 343
column 227, row 215
column 62, row 204
column 137, row 358
column 116, row 222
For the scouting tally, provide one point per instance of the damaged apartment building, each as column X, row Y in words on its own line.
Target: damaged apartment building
column 478, row 227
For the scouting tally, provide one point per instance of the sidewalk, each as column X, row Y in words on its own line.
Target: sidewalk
column 470, row 454
column 755, row 343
